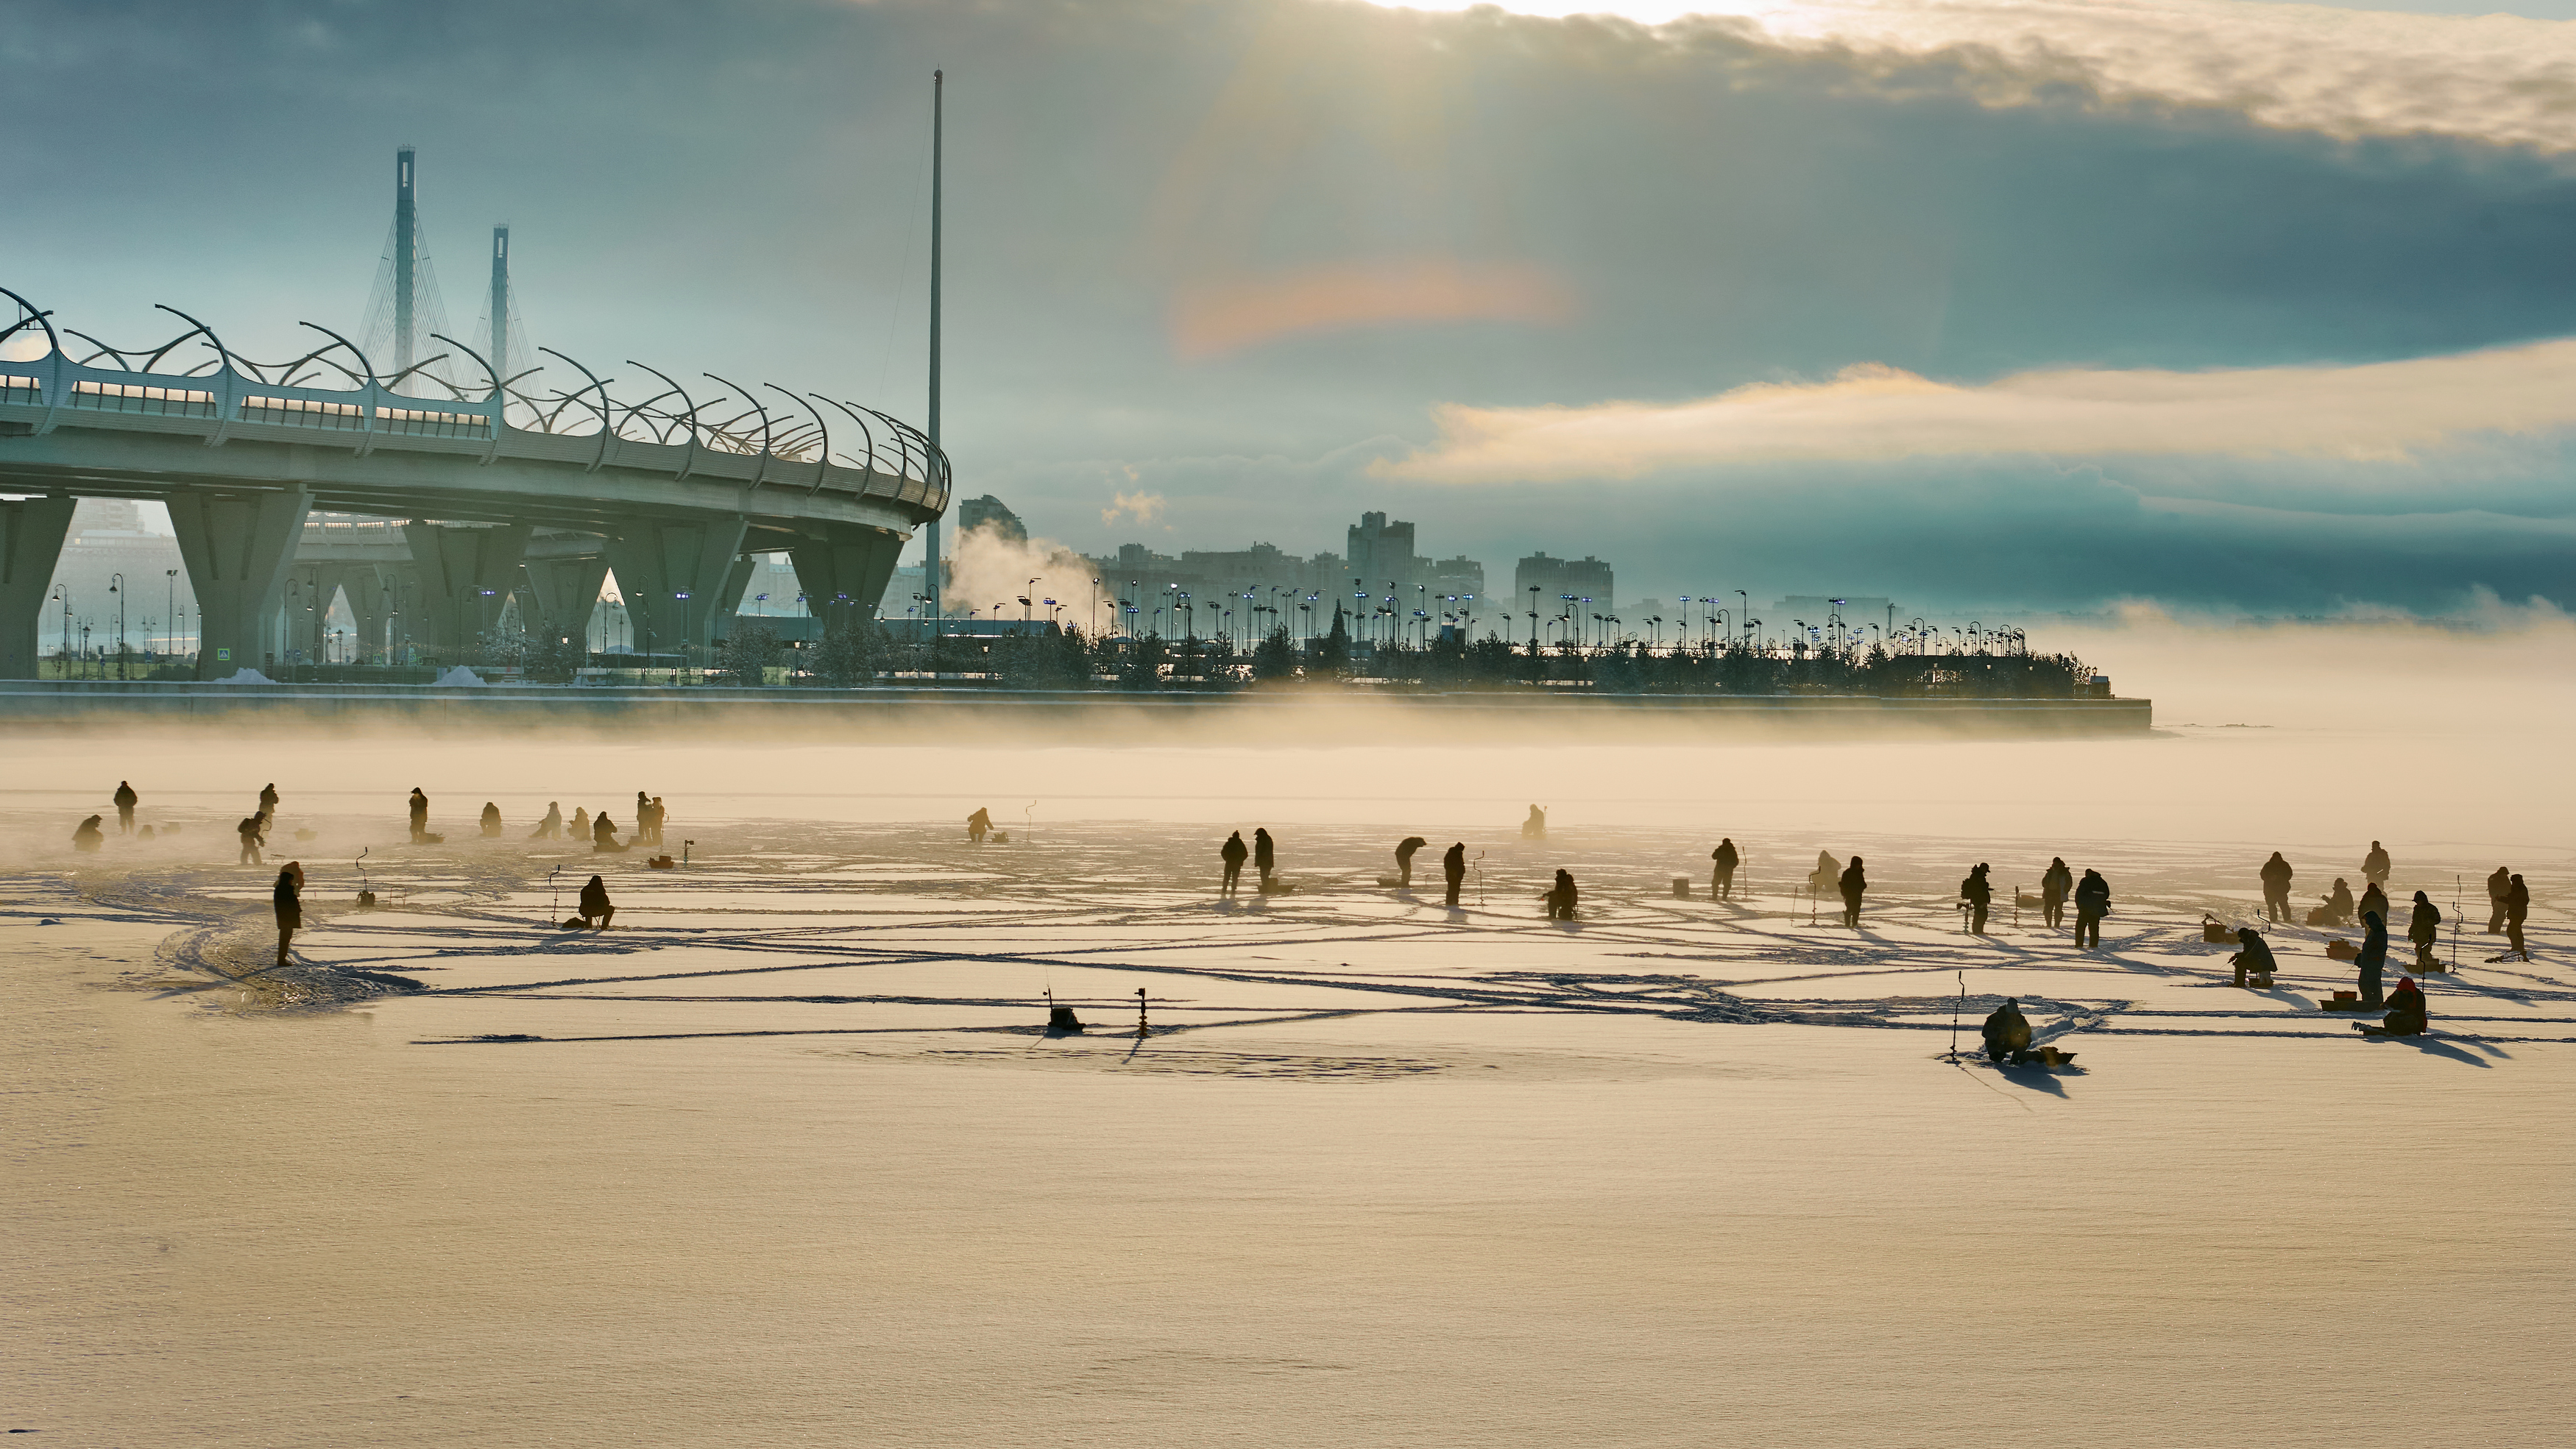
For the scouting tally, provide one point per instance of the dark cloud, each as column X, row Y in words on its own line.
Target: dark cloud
column 739, row 188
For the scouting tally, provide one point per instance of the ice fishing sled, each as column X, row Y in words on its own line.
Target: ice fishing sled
column 2215, row 933
column 2340, row 949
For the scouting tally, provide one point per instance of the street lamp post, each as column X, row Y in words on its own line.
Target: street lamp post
column 116, row 586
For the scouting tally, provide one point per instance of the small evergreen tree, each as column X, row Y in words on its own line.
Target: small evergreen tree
column 1274, row 657
column 1333, row 656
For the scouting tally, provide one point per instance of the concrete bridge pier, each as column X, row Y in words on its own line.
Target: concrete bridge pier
column 31, row 540
column 657, row 562
column 369, row 590
column 237, row 548
column 558, row 595
column 843, row 573
column 465, row 574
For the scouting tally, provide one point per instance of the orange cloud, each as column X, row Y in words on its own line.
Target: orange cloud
column 1210, row 319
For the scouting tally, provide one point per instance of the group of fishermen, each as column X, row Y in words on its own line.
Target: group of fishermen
column 600, row 830
column 2508, row 900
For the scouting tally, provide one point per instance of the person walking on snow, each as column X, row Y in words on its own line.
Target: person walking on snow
column 2092, row 903
column 1854, row 884
column 2424, row 928
column 1721, row 875
column 1979, row 895
column 2054, row 884
column 2276, row 888
column 1233, row 854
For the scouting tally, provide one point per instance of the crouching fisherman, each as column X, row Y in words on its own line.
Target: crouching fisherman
column 2406, row 1013
column 2007, row 1032
column 2253, row 963
column 596, row 912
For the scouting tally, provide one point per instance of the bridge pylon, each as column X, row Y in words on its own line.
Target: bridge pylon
column 31, row 537
column 237, row 547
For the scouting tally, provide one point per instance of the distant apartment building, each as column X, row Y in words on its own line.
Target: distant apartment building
column 1554, row 578
column 988, row 511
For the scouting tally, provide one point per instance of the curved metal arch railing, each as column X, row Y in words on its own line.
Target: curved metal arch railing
column 231, row 392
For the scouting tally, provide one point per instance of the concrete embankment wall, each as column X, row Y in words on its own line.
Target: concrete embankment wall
column 874, row 712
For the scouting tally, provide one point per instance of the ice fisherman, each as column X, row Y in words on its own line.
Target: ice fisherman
column 2092, row 903
column 1827, row 873
column 1854, row 884
column 603, row 833
column 2373, row 958
column 2007, row 1032
column 1233, row 853
column 2337, row 910
column 580, row 827
column 2424, row 928
column 595, row 908
column 2276, row 888
column 251, row 830
column 1404, row 850
column 1453, row 868
column 2517, row 909
column 287, row 900
column 126, row 800
column 550, row 828
column 2253, row 958
column 1562, row 896
column 491, row 818
column 419, row 814
column 2407, row 1015
column 1265, row 855
column 2372, row 899
column 2374, row 866
column 2499, row 885
column 87, row 836
column 2055, row 884
column 1980, row 897
column 1721, row 872
column 1535, row 827
column 268, row 799
column 979, row 825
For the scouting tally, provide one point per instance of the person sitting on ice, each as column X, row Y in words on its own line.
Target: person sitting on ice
column 2337, row 911
column 1561, row 899
column 580, row 827
column 550, row 828
column 603, row 833
column 89, row 836
column 491, row 818
column 595, row 908
column 1535, row 827
column 979, row 825
column 2253, row 961
column 2407, row 1015
column 2007, row 1032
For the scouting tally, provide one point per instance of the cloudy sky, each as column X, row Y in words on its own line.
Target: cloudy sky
column 2035, row 304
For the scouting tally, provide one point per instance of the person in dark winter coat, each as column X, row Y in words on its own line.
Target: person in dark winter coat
column 287, row 899
column 1233, row 853
column 268, row 800
column 979, row 825
column 2372, row 899
column 2337, row 910
column 2276, row 888
column 603, row 833
column 1853, row 883
column 1535, row 827
column 491, row 819
column 1562, row 898
column 2407, row 1015
column 2424, row 928
column 126, row 800
column 1453, row 868
column 419, row 814
column 2499, row 885
column 2517, row 909
column 1404, row 850
column 1721, row 875
column 643, row 819
column 2254, row 958
column 596, row 912
column 1980, row 897
column 87, row 836
column 1265, row 855
column 2373, row 958
column 2374, row 866
column 2007, row 1031
column 252, row 831
column 550, row 828
column 2055, row 884
column 2092, row 903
